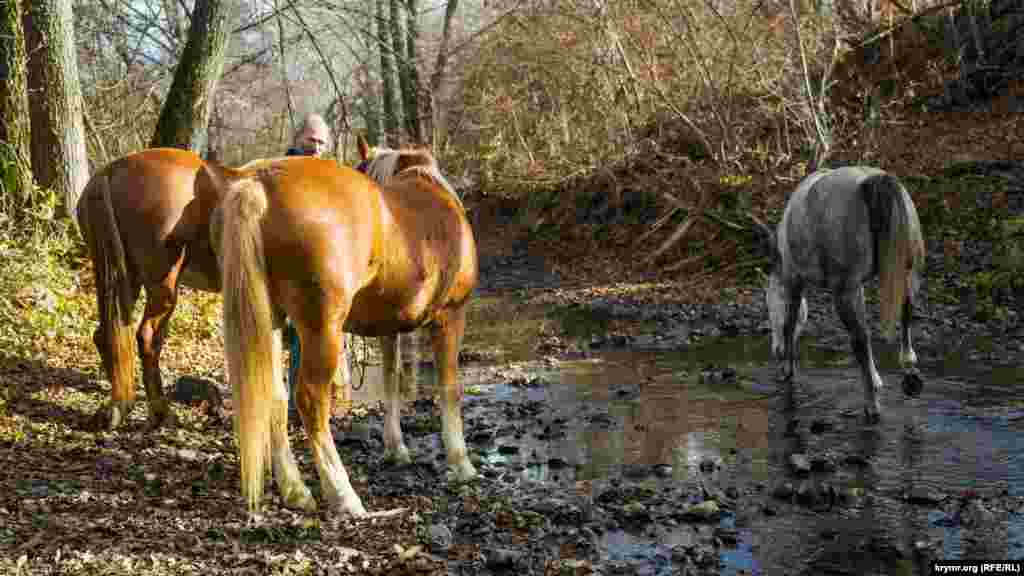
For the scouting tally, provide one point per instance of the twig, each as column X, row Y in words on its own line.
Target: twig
column 723, row 222
column 657, row 225
column 327, row 66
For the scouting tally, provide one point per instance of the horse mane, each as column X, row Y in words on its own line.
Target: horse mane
column 385, row 162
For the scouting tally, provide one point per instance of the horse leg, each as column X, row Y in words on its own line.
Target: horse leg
column 122, row 381
column 446, row 338
column 912, row 383
column 850, row 306
column 792, row 346
column 313, row 396
column 407, row 376
column 160, row 302
column 394, row 446
column 343, row 396
column 908, row 358
column 294, row 492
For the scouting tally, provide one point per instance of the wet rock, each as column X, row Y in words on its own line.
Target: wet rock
column 823, row 463
column 480, row 436
column 713, row 375
column 708, row 465
column 601, row 420
column 440, row 538
column 807, row 494
column 502, row 558
column 821, row 426
column 635, row 511
column 783, row 491
column 726, row 536
column 702, row 512
column 202, row 392
column 635, row 471
column 557, row 463
column 923, row 496
column 976, row 514
column 800, row 464
column 856, row 461
column 851, row 496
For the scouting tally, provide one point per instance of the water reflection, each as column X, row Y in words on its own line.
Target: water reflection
column 623, row 414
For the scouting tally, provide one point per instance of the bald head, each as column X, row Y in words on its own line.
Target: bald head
column 314, row 137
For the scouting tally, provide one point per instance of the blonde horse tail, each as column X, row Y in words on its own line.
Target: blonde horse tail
column 900, row 248
column 248, row 336
column 115, row 300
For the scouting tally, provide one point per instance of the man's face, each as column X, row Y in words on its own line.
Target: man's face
column 313, row 142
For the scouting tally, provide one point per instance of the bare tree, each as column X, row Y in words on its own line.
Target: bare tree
column 387, row 74
column 434, row 112
column 410, row 90
column 59, row 159
column 398, row 41
column 184, row 119
column 14, row 129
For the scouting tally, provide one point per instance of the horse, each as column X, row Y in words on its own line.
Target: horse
column 145, row 220
column 840, row 228
column 337, row 252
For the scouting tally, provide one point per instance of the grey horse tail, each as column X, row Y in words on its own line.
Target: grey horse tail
column 899, row 246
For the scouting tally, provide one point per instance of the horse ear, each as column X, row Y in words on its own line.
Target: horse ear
column 364, row 148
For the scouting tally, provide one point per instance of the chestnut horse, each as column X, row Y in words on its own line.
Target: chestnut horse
column 146, row 227
column 336, row 251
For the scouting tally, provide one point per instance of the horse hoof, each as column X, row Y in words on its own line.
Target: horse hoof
column 912, row 384
column 112, row 416
column 300, row 500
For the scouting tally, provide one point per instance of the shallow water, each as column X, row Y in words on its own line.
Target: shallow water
column 652, row 418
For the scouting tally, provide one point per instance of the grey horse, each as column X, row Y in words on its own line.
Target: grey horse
column 840, row 228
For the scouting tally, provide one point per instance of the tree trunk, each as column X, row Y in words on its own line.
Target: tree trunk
column 398, row 41
column 15, row 174
column 434, row 110
column 59, row 158
column 183, row 120
column 411, row 92
column 387, row 75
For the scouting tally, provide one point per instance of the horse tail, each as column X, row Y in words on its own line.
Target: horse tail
column 115, row 303
column 248, row 325
column 900, row 246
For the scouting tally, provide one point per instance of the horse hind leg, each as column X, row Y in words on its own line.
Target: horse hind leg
column 112, row 338
column 791, row 339
column 294, row 492
column 908, row 358
column 313, row 396
column 161, row 301
column 446, row 338
column 850, row 307
column 912, row 383
column 394, row 446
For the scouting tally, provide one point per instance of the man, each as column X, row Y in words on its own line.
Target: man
column 312, row 139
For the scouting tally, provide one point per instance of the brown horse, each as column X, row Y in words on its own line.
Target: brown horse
column 335, row 251
column 145, row 218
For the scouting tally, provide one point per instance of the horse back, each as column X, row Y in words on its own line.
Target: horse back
column 429, row 258
column 826, row 235
column 148, row 193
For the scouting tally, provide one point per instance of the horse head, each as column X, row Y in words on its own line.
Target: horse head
column 778, row 297
column 382, row 163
